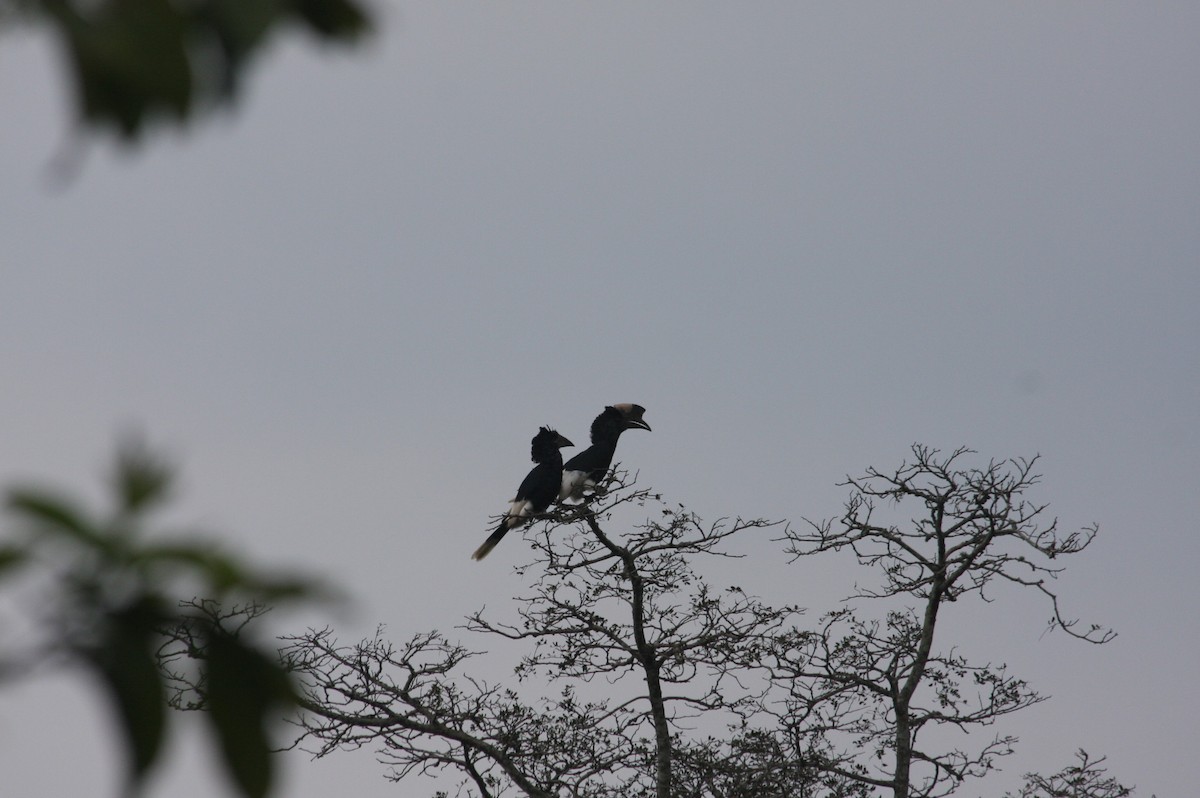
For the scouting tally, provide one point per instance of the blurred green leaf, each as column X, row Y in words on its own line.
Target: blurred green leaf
column 12, row 557
column 225, row 574
column 55, row 515
column 244, row 686
column 236, row 28
column 124, row 659
column 339, row 19
column 141, row 478
column 221, row 571
column 129, row 60
column 134, row 60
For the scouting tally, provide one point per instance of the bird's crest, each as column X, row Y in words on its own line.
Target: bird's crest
column 545, row 444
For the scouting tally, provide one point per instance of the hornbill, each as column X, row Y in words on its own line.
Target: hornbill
column 537, row 491
column 588, row 468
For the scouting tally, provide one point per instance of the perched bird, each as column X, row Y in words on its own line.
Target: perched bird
column 588, row 468
column 537, row 491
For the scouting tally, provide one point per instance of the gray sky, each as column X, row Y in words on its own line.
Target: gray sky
column 803, row 236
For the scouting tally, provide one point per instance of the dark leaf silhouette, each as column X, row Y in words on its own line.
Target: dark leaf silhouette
column 132, row 62
column 244, row 688
column 124, row 659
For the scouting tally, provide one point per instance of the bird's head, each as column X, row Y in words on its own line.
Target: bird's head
column 631, row 416
column 546, row 441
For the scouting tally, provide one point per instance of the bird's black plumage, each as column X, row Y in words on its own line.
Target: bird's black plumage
column 538, row 490
column 588, row 468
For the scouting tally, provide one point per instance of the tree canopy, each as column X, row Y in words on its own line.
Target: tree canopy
column 642, row 677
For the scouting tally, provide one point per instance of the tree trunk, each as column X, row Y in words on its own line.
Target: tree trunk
column 651, row 666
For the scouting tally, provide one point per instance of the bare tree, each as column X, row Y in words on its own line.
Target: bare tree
column 880, row 685
column 639, row 677
column 632, row 615
column 1083, row 780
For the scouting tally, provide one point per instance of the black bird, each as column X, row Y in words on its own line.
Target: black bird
column 587, row 468
column 537, row 491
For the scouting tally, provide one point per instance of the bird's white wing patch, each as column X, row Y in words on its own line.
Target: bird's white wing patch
column 517, row 510
column 573, row 483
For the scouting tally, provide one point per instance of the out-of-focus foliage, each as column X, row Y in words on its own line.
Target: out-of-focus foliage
column 107, row 595
column 131, row 61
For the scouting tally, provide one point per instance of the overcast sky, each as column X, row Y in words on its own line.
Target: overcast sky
column 803, row 236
